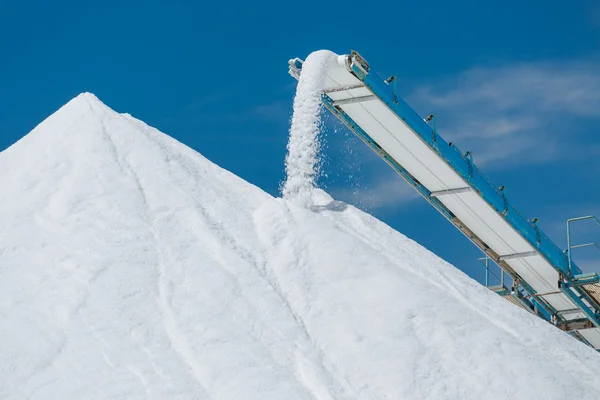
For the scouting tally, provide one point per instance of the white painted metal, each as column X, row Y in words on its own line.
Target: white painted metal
column 351, row 100
column 450, row 191
column 592, row 336
column 518, row 255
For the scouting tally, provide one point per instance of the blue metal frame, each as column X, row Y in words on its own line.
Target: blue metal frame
column 583, row 279
column 579, row 302
column 463, row 165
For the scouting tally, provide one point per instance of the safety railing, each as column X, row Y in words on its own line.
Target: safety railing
column 570, row 246
column 485, row 261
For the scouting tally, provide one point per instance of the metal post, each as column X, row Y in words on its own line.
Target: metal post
column 569, row 247
column 487, row 272
column 501, row 277
column 469, row 157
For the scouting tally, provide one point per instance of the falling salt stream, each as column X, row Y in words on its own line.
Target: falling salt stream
column 302, row 160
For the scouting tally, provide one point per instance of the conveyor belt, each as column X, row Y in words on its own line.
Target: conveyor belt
column 450, row 181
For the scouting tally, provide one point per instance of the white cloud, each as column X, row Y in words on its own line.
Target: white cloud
column 523, row 113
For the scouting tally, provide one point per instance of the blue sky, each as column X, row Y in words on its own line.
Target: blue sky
column 518, row 83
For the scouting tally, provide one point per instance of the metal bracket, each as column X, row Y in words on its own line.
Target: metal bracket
column 469, row 157
column 431, row 120
column 575, row 324
column 519, row 255
column 569, row 311
column 584, row 307
column 352, row 100
column 295, row 67
column 445, row 192
column 359, row 61
column 344, row 88
column 502, row 189
column 583, row 279
column 362, row 68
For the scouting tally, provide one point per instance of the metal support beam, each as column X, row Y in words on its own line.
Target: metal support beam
column 519, row 255
column 579, row 303
column 352, row 100
column 344, row 88
column 438, row 193
column 569, row 311
column 586, row 245
column 575, row 324
column 583, row 279
column 487, row 271
column 544, row 294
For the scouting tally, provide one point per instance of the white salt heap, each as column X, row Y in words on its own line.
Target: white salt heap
column 302, row 160
column 131, row 267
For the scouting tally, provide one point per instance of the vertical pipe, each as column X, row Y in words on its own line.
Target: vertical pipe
column 501, row 277
column 569, row 246
column 487, row 272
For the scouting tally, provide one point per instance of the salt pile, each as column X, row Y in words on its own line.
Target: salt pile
column 131, row 267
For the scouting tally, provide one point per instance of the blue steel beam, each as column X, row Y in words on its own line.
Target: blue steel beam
column 588, row 312
column 463, row 165
column 469, row 172
column 583, row 279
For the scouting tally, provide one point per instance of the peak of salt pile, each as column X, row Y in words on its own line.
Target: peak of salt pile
column 132, row 267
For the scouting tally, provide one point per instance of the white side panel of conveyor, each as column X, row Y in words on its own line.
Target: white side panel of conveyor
column 407, row 148
column 592, row 336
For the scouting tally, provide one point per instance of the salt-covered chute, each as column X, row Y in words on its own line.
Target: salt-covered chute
column 554, row 288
